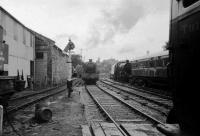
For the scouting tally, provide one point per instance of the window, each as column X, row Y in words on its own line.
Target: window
column 143, row 64
column 3, row 23
column 159, row 63
column 31, row 40
column 147, row 64
column 24, row 36
column 134, row 65
column 187, row 3
column 165, row 61
column 151, row 63
column 15, row 31
column 39, row 55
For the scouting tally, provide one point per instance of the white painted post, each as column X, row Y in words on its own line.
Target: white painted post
column 70, row 65
column 1, row 120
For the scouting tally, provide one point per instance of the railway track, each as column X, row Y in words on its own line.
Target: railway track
column 91, row 109
column 160, row 101
column 160, row 93
column 154, row 110
column 117, row 111
column 32, row 94
column 22, row 102
column 19, row 103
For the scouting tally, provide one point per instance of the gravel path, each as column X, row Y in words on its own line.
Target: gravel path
column 68, row 116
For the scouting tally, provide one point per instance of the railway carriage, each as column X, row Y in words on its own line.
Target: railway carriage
column 184, row 51
column 150, row 70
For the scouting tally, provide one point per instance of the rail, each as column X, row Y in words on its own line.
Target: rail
column 107, row 114
column 14, row 108
column 153, row 120
column 151, row 91
column 138, row 95
column 117, row 123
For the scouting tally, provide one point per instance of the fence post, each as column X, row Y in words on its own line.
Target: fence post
column 1, row 120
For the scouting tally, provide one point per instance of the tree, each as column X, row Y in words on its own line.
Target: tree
column 166, row 46
column 76, row 59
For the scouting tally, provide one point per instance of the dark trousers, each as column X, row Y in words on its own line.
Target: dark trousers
column 69, row 92
column 69, row 87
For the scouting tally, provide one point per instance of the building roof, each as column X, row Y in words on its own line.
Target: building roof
column 33, row 32
column 6, row 12
column 43, row 37
column 61, row 51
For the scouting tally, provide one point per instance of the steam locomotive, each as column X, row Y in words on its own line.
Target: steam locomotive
column 90, row 74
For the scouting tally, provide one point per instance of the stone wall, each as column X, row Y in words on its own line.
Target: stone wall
column 52, row 68
column 60, row 67
column 41, row 69
column 43, row 63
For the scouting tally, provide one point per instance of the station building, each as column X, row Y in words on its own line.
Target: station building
column 17, row 47
column 30, row 53
column 51, row 63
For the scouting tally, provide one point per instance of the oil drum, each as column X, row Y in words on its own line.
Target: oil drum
column 42, row 114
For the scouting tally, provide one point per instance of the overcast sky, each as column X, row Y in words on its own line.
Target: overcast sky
column 121, row 29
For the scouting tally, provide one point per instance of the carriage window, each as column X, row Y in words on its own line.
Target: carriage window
column 151, row 63
column 134, row 65
column 142, row 64
column 159, row 63
column 139, row 64
column 147, row 64
column 165, row 61
column 187, row 3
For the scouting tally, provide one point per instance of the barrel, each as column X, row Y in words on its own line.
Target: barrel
column 43, row 114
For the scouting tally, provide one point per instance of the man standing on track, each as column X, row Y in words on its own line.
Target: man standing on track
column 69, row 87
